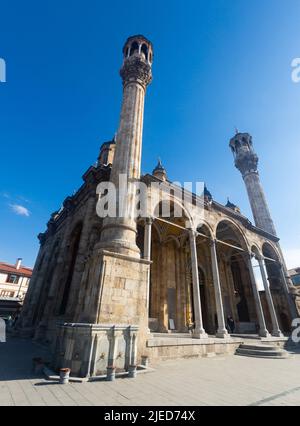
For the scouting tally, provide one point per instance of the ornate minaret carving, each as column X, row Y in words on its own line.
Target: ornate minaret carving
column 119, row 234
column 246, row 161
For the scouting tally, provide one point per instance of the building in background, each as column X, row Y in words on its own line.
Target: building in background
column 14, row 280
column 295, row 276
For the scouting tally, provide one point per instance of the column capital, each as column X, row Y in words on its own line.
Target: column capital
column 192, row 232
column 213, row 242
column 260, row 259
column 149, row 220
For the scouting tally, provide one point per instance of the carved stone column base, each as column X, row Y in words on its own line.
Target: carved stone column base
column 277, row 334
column 223, row 334
column 200, row 334
column 264, row 333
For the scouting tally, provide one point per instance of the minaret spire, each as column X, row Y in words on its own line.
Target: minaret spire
column 246, row 161
column 119, row 233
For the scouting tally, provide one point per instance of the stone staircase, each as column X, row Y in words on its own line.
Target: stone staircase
column 259, row 350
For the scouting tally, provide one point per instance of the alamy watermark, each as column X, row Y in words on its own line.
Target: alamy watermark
column 2, row 71
column 296, row 330
column 133, row 199
column 296, row 70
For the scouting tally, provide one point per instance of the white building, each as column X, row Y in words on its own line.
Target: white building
column 14, row 280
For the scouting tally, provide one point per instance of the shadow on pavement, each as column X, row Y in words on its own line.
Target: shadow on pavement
column 16, row 357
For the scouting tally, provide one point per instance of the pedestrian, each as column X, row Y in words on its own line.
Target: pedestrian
column 231, row 324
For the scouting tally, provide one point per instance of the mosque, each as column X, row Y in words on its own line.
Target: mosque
column 110, row 292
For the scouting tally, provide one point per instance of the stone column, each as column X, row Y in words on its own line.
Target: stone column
column 147, row 256
column 147, row 238
column 263, row 332
column 119, row 233
column 276, row 330
column 199, row 331
column 221, row 332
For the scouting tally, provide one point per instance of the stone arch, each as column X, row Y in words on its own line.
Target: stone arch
column 174, row 239
column 173, row 204
column 231, row 228
column 167, row 275
column 268, row 248
column 273, row 266
column 47, row 280
column 275, row 277
column 236, row 280
column 205, row 228
column 73, row 251
column 157, row 230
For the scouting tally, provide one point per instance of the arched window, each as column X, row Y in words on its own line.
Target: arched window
column 145, row 51
column 134, row 48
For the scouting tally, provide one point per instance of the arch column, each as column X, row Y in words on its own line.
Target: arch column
column 221, row 332
column 147, row 238
column 147, row 256
column 263, row 332
column 199, row 331
column 276, row 330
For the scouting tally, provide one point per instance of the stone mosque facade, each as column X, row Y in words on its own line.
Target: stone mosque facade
column 109, row 293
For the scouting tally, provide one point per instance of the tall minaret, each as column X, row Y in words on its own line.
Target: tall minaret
column 246, row 161
column 119, row 234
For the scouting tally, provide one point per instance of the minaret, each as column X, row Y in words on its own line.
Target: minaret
column 246, row 161
column 119, row 234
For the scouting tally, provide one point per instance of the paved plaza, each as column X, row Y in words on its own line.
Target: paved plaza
column 226, row 380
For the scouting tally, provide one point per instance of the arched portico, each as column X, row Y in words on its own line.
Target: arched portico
column 239, row 285
column 200, row 277
column 258, row 262
column 278, row 286
column 170, row 285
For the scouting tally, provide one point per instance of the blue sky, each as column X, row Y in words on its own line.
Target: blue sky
column 218, row 65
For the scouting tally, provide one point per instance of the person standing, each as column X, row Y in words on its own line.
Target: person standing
column 230, row 324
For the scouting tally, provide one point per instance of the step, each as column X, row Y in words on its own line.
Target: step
column 263, row 354
column 259, row 350
column 173, row 335
column 259, row 347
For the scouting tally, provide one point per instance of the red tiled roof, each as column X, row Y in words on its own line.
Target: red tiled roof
column 11, row 269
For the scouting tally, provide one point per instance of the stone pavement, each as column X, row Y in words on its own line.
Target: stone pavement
column 230, row 380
